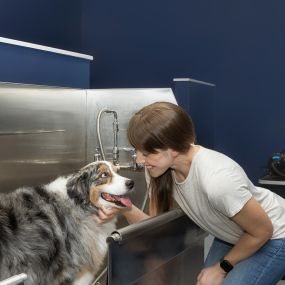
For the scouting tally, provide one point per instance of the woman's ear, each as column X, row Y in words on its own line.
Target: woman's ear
column 173, row 153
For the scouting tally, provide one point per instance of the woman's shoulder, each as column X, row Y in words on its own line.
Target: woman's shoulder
column 217, row 170
column 213, row 158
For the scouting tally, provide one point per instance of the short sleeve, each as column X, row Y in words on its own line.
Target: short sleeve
column 229, row 191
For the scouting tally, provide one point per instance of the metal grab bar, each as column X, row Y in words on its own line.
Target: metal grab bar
column 133, row 230
column 166, row 249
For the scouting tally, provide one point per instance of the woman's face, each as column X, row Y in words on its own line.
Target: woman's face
column 156, row 163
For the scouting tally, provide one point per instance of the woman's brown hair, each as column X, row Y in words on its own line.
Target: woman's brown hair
column 160, row 126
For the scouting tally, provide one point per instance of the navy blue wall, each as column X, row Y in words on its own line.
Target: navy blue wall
column 146, row 43
column 55, row 23
column 237, row 45
column 32, row 66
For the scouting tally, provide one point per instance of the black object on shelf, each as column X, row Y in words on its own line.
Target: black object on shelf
column 276, row 166
column 275, row 170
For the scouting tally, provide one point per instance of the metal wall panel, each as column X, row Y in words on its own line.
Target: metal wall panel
column 125, row 102
column 42, row 134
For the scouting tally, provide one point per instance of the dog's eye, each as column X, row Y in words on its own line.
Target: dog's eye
column 104, row 174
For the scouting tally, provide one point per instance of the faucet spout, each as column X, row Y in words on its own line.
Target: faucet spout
column 115, row 134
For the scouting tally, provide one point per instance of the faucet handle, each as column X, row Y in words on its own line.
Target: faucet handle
column 136, row 166
column 97, row 154
column 129, row 149
column 132, row 151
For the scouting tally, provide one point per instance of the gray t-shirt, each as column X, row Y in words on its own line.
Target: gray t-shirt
column 216, row 189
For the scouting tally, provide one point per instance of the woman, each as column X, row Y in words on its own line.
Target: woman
column 248, row 222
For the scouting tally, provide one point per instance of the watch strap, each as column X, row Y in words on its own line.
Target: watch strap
column 226, row 265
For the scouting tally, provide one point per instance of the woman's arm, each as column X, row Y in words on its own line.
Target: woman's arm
column 132, row 214
column 258, row 230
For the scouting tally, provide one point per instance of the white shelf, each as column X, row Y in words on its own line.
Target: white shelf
column 271, row 182
column 193, row 80
column 45, row 48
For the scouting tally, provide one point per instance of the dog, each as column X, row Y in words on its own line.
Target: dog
column 49, row 232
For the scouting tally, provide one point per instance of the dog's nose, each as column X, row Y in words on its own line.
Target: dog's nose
column 130, row 184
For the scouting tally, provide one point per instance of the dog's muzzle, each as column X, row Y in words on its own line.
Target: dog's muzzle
column 130, row 184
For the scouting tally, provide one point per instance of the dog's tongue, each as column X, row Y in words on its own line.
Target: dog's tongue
column 125, row 201
column 114, row 198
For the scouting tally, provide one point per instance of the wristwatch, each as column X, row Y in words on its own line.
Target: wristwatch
column 226, row 265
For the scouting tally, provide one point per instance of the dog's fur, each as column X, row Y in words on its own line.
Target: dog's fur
column 50, row 233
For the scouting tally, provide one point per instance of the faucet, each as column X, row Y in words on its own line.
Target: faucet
column 99, row 152
column 134, row 165
column 115, row 132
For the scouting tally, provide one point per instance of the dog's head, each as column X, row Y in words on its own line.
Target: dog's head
column 98, row 184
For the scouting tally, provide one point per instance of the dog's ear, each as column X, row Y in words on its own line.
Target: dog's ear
column 78, row 187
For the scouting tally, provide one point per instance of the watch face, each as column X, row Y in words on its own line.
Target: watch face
column 226, row 265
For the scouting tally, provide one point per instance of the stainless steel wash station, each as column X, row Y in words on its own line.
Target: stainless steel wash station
column 46, row 132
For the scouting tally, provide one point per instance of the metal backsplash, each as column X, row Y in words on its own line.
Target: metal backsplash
column 42, row 134
column 125, row 102
column 46, row 132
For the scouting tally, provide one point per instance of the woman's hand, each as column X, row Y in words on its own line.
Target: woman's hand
column 213, row 275
column 132, row 214
column 105, row 214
